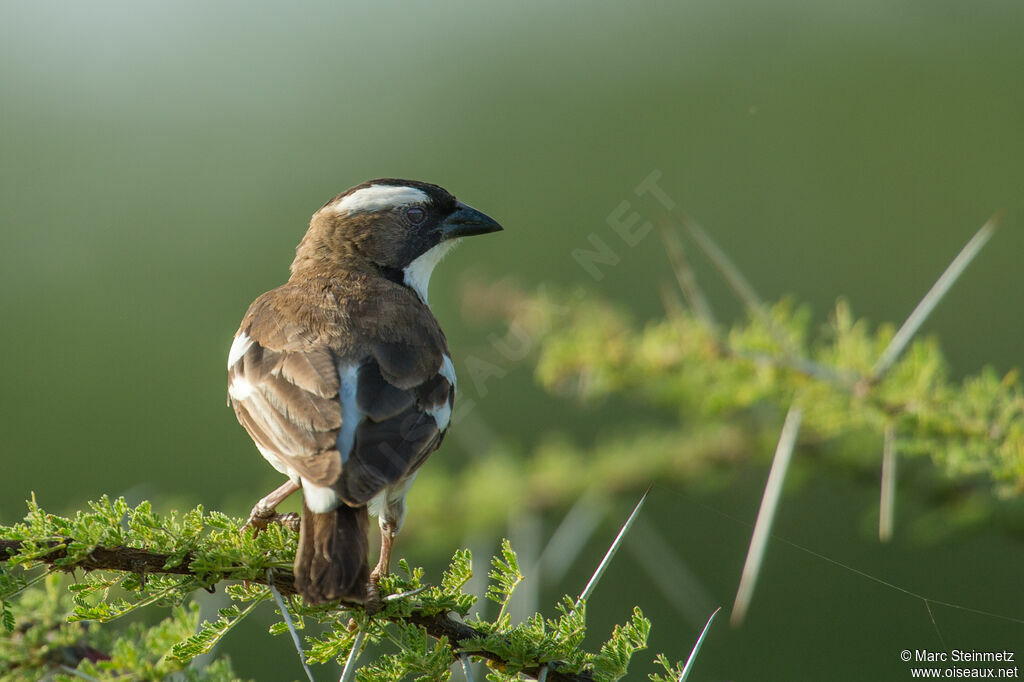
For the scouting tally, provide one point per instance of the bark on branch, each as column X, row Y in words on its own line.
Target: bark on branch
column 143, row 561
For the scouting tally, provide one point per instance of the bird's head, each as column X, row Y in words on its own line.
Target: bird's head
column 400, row 228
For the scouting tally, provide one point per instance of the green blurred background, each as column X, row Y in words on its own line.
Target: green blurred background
column 159, row 162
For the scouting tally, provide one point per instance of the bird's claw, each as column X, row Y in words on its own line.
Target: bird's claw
column 373, row 602
column 259, row 519
column 289, row 521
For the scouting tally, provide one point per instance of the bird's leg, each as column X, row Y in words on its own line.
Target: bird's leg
column 265, row 511
column 388, row 531
column 387, row 537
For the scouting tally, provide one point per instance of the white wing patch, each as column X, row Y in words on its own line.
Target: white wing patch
column 443, row 414
column 319, row 500
column 348, row 376
column 380, row 197
column 238, row 348
column 240, row 388
column 448, row 371
column 417, row 273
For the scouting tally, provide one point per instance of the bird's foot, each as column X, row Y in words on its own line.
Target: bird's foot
column 261, row 517
column 373, row 600
column 289, row 520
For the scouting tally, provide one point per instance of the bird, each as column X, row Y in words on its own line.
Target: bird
column 343, row 378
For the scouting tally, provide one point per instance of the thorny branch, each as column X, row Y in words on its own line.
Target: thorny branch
column 143, row 562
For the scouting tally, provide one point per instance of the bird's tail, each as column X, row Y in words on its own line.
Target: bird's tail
column 331, row 562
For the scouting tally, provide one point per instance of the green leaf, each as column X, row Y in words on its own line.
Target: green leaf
column 212, row 632
column 506, row 576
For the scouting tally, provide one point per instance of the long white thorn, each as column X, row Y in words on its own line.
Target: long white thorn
column 931, row 299
column 736, row 280
column 349, row 673
column 685, row 277
column 589, row 589
column 766, row 514
column 887, row 503
column 733, row 276
column 696, row 648
column 402, row 595
column 466, row 668
column 291, row 626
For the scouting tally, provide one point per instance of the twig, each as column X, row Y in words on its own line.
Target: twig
column 766, row 514
column 128, row 559
column 288, row 620
column 932, row 298
column 440, row 625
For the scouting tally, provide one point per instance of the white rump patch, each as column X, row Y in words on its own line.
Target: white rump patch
column 442, row 415
column 319, row 500
column 417, row 273
column 380, row 197
column 240, row 388
column 238, row 348
column 348, row 376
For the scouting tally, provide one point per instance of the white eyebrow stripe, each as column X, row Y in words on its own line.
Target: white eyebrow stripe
column 379, row 197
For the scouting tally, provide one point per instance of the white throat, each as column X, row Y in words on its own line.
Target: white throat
column 417, row 273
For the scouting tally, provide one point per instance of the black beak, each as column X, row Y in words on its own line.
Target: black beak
column 467, row 221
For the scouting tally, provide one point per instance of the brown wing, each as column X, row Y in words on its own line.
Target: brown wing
column 326, row 399
column 283, row 386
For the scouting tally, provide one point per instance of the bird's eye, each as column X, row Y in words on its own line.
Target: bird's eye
column 416, row 215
